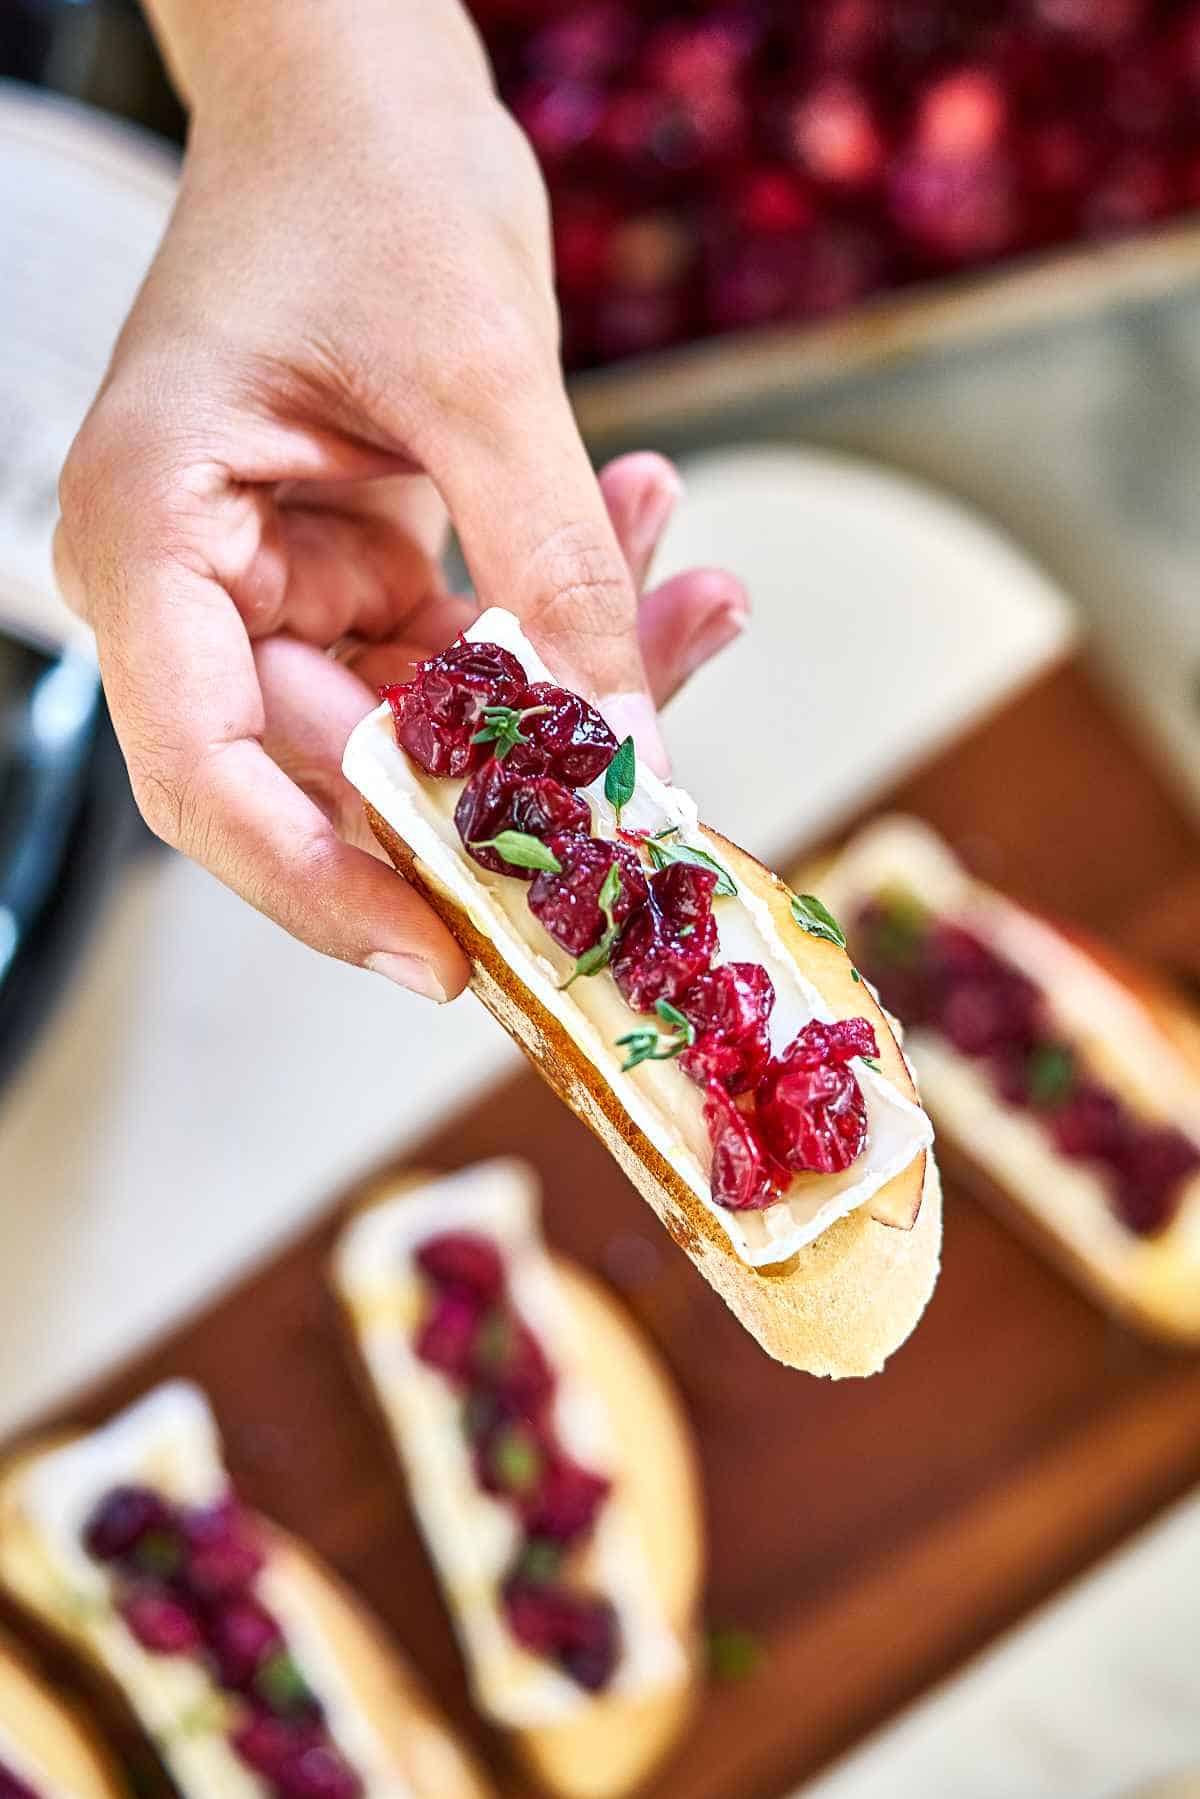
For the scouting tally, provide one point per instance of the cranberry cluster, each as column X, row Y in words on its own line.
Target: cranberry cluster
column 186, row 1579
column 718, row 164
column 472, row 1333
column 13, row 1787
column 934, row 973
column 804, row 1111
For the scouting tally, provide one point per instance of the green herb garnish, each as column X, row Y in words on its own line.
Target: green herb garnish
column 620, row 777
column 662, row 853
column 734, row 1654
column 854, row 975
column 517, row 1459
column 649, row 1046
column 596, row 958
column 502, row 726
column 522, row 851
column 281, row 1685
column 540, row 1561
column 817, row 919
column 1051, row 1071
column 870, row 1062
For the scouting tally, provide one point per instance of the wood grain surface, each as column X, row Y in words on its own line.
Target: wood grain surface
column 869, row 1534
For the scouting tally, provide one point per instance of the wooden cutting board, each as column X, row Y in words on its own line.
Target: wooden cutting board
column 869, row 1535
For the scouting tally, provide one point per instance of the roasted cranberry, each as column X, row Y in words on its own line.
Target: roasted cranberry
column 567, row 903
column 446, row 1336
column 565, row 1501
column 122, row 1519
column 810, row 1108
column 955, row 209
column 497, row 798
column 730, row 1008
column 265, row 1742
column 12, row 1787
column 1092, row 1125
column 568, row 740
column 463, row 1259
column 221, row 1554
column 439, row 711
column 160, row 1623
column 1156, row 1164
column 241, row 1636
column 577, row 1630
column 318, row 1773
column 509, row 1358
column 668, row 941
column 834, row 137
column 743, row 1176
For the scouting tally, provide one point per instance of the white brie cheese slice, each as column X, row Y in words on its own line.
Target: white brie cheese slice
column 1116, row 1037
column 169, row 1441
column 473, row 1535
column 657, row 1096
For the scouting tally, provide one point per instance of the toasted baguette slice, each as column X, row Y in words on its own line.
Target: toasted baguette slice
column 43, row 1743
column 1129, row 1031
column 377, row 1713
column 582, row 1746
column 831, row 1279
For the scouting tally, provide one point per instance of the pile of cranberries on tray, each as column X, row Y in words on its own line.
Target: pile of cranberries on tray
column 640, row 907
column 939, row 976
column 473, row 1335
column 722, row 164
column 185, row 1586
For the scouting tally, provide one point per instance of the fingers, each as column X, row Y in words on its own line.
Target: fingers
column 640, row 491
column 686, row 622
column 538, row 539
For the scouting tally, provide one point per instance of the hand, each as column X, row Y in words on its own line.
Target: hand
column 349, row 329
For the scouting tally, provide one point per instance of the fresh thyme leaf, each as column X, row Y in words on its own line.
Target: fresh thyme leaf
column 502, row 726
column 522, row 851
column 672, row 1015
column 1051, row 1070
column 667, row 831
column 648, row 1046
column 734, row 1654
column 817, row 919
column 854, row 975
column 596, row 958
column 870, row 1062
column 620, row 777
column 662, row 853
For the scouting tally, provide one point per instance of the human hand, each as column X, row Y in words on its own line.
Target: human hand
column 348, row 331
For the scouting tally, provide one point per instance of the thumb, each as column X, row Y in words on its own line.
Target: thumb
column 538, row 540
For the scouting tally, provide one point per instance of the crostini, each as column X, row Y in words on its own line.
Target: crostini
column 702, row 1020
column 1066, row 1078
column 46, row 1752
column 246, row 1664
column 550, row 1466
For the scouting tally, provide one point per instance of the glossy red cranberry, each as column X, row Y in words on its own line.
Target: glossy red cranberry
column 161, row 1624
column 122, row 1519
column 557, row 116
column 586, row 45
column 567, row 904
column 265, row 1742
column 961, row 115
column 241, row 1636
column 565, row 1501
column 1092, row 1125
column 465, row 1259
column 569, row 740
column 954, row 209
column 809, row 1106
column 667, row 942
column 221, row 1553
column 439, row 711
column 771, row 201
column 507, row 1357
column 445, row 1338
column 730, row 1007
column 577, row 1630
column 318, row 1773
column 1156, row 1165
column 12, row 1787
column 834, row 138
column 498, row 798
column 744, row 1176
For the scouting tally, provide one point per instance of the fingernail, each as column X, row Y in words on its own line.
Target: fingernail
column 716, row 633
column 654, row 509
column 408, row 971
column 633, row 715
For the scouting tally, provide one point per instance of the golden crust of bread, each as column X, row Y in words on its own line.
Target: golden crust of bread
column 391, row 1696
column 57, row 1742
column 844, row 1302
column 610, row 1746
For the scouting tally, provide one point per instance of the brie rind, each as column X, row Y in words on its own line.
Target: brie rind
column 169, row 1440
column 657, row 1096
column 472, row 1535
column 1116, row 1035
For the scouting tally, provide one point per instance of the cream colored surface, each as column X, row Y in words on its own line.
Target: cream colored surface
column 41, row 1740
